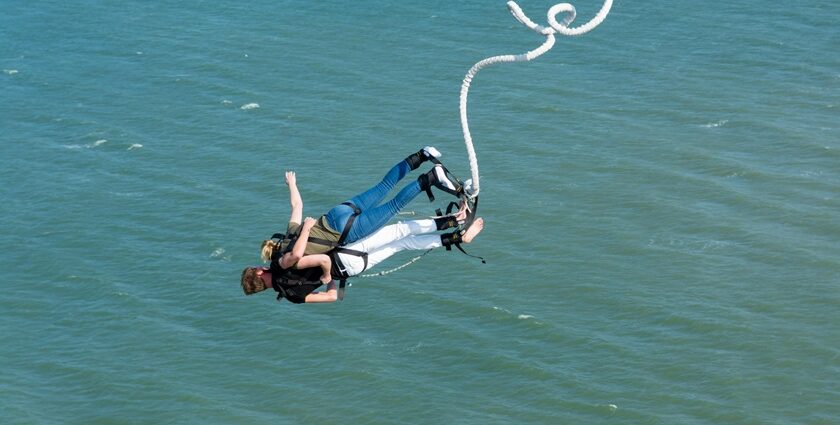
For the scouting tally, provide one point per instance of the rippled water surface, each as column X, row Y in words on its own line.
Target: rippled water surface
column 661, row 198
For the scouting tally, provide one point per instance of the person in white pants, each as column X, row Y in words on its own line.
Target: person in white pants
column 394, row 238
column 387, row 241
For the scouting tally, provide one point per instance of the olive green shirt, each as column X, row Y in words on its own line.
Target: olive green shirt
column 321, row 230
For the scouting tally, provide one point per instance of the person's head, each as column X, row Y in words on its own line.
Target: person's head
column 255, row 279
column 268, row 247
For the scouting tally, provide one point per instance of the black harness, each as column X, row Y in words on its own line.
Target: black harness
column 288, row 281
column 284, row 279
column 471, row 202
column 287, row 278
column 472, row 206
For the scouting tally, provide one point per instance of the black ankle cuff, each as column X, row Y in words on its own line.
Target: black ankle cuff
column 449, row 239
column 445, row 222
column 414, row 160
column 423, row 179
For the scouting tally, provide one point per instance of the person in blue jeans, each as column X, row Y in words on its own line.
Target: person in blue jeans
column 357, row 218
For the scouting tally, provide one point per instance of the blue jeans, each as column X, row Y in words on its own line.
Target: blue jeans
column 374, row 216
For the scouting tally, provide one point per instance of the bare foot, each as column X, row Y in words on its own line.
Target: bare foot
column 473, row 231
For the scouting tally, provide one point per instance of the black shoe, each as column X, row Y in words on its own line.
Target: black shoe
column 442, row 179
column 429, row 153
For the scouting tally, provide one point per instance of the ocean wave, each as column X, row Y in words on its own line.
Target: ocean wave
column 220, row 254
column 134, row 146
column 128, row 194
column 720, row 123
column 248, row 106
column 518, row 316
column 95, row 144
column 10, row 71
column 687, row 244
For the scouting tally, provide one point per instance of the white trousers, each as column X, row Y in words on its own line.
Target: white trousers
column 388, row 241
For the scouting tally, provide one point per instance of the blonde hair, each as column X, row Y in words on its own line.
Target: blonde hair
column 268, row 246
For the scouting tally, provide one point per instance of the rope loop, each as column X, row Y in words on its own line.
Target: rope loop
column 561, row 27
column 554, row 27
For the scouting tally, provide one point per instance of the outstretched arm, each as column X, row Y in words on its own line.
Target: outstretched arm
column 291, row 258
column 294, row 198
column 328, row 296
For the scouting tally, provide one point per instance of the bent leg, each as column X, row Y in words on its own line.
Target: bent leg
column 373, row 196
column 355, row 265
column 369, row 200
column 388, row 234
column 337, row 216
column 419, row 242
column 370, row 220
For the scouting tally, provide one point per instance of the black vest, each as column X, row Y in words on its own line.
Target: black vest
column 293, row 284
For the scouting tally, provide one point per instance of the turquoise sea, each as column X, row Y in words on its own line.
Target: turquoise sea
column 662, row 199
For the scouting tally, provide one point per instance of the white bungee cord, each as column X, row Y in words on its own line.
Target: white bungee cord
column 472, row 188
column 554, row 27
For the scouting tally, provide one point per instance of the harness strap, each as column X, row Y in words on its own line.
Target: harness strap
column 280, row 237
column 341, row 284
column 346, row 231
column 340, row 270
column 343, row 281
column 430, row 194
column 428, row 186
column 281, row 293
column 333, row 253
column 449, row 239
column 342, row 250
column 457, row 245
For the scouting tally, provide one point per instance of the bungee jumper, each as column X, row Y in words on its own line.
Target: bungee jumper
column 314, row 253
column 365, row 213
column 351, row 238
column 299, row 284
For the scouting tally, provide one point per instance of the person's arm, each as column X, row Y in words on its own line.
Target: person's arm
column 317, row 260
column 328, row 296
column 291, row 258
column 294, row 198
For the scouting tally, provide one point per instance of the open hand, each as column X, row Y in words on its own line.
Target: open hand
column 291, row 180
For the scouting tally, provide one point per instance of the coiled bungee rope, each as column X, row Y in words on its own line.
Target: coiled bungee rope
column 554, row 27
